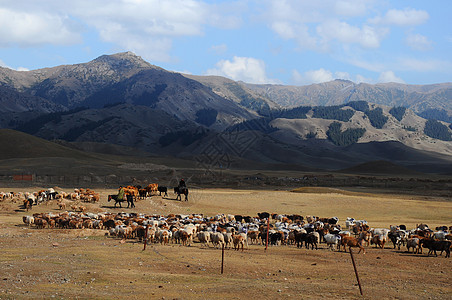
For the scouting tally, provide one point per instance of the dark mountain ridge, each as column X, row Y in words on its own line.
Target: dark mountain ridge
column 124, row 101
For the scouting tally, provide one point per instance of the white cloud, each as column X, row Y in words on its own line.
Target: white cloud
column 145, row 27
column 406, row 17
column 363, row 79
column 389, row 76
column 3, row 65
column 342, row 75
column 322, row 75
column 367, row 36
column 351, row 7
column 317, row 76
column 284, row 29
column 418, row 42
column 246, row 69
column 27, row 29
column 315, row 24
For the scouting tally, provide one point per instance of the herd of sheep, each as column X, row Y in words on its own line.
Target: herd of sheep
column 239, row 231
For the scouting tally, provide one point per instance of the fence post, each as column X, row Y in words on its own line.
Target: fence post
column 356, row 271
column 268, row 228
column 145, row 237
column 222, row 258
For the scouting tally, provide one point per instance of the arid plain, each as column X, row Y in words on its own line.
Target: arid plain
column 84, row 263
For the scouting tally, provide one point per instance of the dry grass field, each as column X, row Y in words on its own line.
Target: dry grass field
column 86, row 264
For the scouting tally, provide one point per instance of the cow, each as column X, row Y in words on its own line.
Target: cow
column 434, row 245
column 352, row 242
column 163, row 189
column 151, row 188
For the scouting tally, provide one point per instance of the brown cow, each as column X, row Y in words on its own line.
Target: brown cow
column 352, row 242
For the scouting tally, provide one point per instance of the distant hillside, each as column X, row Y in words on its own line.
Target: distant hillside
column 419, row 98
column 381, row 168
column 15, row 144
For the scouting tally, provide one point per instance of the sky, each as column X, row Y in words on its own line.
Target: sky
column 255, row 41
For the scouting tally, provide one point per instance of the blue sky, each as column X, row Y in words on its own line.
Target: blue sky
column 266, row 41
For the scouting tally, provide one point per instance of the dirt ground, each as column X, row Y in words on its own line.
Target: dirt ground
column 86, row 264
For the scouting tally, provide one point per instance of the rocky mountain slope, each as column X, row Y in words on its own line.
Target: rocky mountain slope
column 122, row 100
column 418, row 98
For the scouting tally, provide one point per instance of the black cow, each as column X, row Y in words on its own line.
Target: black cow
column 300, row 237
column 163, row 189
column 263, row 215
column 433, row 246
column 129, row 199
column 275, row 237
column 109, row 224
column 247, row 219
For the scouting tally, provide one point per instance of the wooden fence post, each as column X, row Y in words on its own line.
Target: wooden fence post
column 356, row 271
column 222, row 258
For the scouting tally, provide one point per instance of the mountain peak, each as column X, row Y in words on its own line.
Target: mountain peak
column 124, row 59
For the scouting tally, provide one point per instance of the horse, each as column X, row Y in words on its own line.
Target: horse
column 181, row 190
column 128, row 198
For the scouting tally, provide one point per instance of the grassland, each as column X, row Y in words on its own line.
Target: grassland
column 48, row 263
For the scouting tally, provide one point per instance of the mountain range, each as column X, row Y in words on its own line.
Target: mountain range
column 121, row 99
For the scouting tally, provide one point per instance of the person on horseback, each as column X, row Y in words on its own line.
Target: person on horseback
column 182, row 183
column 121, row 194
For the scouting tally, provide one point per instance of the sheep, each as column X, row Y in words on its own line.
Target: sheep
column 313, row 239
column 332, row 240
column 217, row 239
column 379, row 240
column 228, row 240
column 238, row 241
column 28, row 220
column 204, row 238
column 415, row 244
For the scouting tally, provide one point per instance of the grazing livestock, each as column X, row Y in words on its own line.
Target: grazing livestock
column 379, row 240
column 397, row 238
column 152, row 188
column 300, row 237
column 332, row 240
column 253, row 235
column 415, row 244
column 263, row 215
column 275, row 237
column 28, row 220
column 204, row 238
column 217, row 239
column 312, row 239
column 228, row 240
column 352, row 242
column 238, row 240
column 433, row 246
column 162, row 189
